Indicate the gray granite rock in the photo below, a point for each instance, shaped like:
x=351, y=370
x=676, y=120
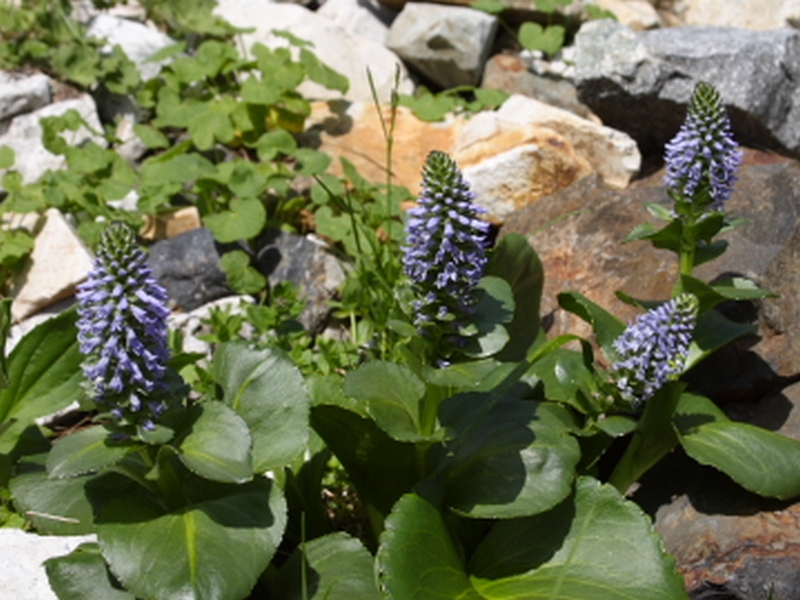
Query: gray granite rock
x=307, y=263
x=188, y=267
x=448, y=45
x=21, y=94
x=24, y=135
x=641, y=83
x=139, y=41
x=360, y=18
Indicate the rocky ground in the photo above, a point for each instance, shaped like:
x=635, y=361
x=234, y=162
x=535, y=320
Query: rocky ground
x=569, y=161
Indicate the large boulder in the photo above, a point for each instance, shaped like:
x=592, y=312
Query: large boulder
x=640, y=83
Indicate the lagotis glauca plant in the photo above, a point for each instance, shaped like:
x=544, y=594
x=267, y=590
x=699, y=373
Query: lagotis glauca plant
x=464, y=455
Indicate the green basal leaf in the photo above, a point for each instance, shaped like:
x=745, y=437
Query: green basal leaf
x=593, y=546
x=337, y=567
x=392, y=394
x=242, y=278
x=514, y=260
x=167, y=52
x=515, y=460
x=7, y=157
x=86, y=451
x=273, y=143
x=218, y=444
x=568, y=379
x=244, y=220
x=322, y=74
x=44, y=376
x=550, y=6
x=427, y=106
x=466, y=375
x=150, y=136
x=5, y=325
x=417, y=557
x=54, y=506
x=549, y=39
x=310, y=162
x=382, y=469
x=606, y=326
x=83, y=575
x=269, y=393
x=760, y=461
x=713, y=331
x=212, y=550
x=493, y=7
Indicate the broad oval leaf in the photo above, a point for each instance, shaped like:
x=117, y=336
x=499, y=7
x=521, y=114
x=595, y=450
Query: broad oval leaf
x=337, y=567
x=44, y=376
x=392, y=394
x=606, y=326
x=218, y=444
x=55, y=506
x=245, y=220
x=761, y=461
x=83, y=575
x=517, y=460
x=213, y=550
x=84, y=452
x=269, y=393
x=594, y=546
x=514, y=260
x=417, y=559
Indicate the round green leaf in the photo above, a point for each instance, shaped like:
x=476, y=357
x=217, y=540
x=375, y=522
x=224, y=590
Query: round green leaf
x=212, y=550
x=392, y=394
x=593, y=546
x=269, y=393
x=337, y=567
x=244, y=220
x=517, y=460
x=83, y=575
x=84, y=452
x=218, y=444
x=417, y=559
x=761, y=461
x=55, y=506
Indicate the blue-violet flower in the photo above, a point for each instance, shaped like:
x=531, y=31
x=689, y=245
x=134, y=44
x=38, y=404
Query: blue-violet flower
x=703, y=156
x=122, y=330
x=446, y=243
x=653, y=349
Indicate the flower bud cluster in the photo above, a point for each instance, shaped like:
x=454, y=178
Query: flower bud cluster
x=703, y=157
x=446, y=243
x=653, y=349
x=122, y=330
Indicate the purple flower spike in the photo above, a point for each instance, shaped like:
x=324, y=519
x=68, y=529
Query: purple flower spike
x=122, y=329
x=703, y=155
x=653, y=349
x=446, y=243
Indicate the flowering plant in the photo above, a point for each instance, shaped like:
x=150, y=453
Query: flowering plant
x=467, y=455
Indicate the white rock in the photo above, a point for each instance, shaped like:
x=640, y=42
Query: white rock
x=23, y=94
x=759, y=15
x=448, y=44
x=22, y=576
x=59, y=262
x=137, y=40
x=636, y=14
x=612, y=154
x=24, y=136
x=360, y=18
x=191, y=325
x=350, y=56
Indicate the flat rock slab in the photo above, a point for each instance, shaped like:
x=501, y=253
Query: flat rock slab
x=22, y=576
